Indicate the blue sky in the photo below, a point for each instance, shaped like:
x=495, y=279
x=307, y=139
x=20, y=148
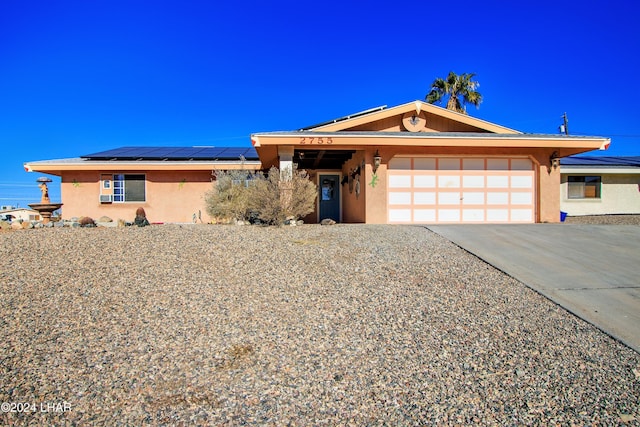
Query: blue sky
x=78, y=77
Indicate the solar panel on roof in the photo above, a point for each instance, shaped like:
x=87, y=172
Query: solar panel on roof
x=234, y=152
x=175, y=153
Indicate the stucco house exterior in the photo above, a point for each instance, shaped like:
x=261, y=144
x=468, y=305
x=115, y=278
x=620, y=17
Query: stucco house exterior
x=168, y=182
x=413, y=163
x=601, y=185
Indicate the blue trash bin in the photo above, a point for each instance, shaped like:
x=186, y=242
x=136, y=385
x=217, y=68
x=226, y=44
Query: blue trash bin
x=563, y=216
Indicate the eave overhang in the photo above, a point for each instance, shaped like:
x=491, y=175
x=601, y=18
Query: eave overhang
x=339, y=140
x=56, y=167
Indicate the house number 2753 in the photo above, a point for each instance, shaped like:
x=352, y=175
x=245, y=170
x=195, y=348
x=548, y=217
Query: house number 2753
x=308, y=140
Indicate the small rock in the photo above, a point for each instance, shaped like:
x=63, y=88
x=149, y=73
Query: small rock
x=86, y=221
x=627, y=418
x=105, y=218
x=327, y=221
x=141, y=218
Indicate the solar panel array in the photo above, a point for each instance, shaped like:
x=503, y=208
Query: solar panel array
x=175, y=153
x=629, y=161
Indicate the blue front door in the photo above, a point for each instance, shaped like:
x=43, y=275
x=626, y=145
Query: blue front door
x=329, y=197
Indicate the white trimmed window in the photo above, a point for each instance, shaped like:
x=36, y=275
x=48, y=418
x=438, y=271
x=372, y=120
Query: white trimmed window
x=584, y=187
x=129, y=188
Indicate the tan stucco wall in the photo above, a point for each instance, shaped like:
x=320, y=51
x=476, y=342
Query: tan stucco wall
x=619, y=194
x=353, y=205
x=171, y=196
x=548, y=188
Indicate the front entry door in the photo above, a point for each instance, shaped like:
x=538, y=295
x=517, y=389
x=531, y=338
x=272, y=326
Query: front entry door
x=329, y=197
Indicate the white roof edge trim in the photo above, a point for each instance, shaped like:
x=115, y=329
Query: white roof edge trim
x=137, y=162
x=436, y=136
x=592, y=170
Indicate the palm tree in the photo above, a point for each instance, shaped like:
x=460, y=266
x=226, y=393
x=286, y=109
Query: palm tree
x=460, y=89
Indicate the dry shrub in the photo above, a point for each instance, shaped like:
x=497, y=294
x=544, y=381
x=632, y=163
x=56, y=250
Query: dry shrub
x=229, y=197
x=241, y=195
x=276, y=198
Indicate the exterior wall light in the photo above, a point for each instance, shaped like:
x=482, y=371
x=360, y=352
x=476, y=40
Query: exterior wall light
x=554, y=161
x=376, y=161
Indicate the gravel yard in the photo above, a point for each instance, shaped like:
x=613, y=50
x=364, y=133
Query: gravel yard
x=311, y=325
x=604, y=219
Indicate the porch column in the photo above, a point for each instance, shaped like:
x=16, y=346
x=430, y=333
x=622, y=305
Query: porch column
x=285, y=153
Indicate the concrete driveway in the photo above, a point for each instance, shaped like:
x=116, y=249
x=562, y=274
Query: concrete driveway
x=591, y=270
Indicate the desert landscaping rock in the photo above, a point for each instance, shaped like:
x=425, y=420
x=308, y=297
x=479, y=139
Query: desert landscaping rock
x=310, y=325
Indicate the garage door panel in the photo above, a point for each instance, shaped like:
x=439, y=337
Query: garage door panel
x=497, y=215
x=473, y=181
x=473, y=215
x=473, y=164
x=522, y=181
x=400, y=181
x=520, y=164
x=497, y=164
x=448, y=198
x=521, y=215
x=424, y=198
x=449, y=164
x=472, y=198
x=424, y=181
x=498, y=181
x=400, y=163
x=424, y=215
x=424, y=163
x=449, y=181
x=399, y=215
x=461, y=190
x=400, y=198
x=498, y=198
x=521, y=198
x=448, y=215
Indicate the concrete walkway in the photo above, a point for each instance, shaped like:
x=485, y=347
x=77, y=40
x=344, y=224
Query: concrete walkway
x=591, y=270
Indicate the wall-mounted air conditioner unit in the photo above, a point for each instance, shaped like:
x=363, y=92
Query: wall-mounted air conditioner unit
x=106, y=198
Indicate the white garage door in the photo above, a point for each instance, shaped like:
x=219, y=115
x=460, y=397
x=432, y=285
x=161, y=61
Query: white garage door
x=460, y=190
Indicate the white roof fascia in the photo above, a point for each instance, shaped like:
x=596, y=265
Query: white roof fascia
x=592, y=170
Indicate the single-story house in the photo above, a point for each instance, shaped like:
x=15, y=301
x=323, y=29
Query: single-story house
x=600, y=185
x=23, y=214
x=413, y=163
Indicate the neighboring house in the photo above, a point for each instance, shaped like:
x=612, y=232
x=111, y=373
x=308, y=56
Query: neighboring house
x=23, y=214
x=414, y=163
x=600, y=185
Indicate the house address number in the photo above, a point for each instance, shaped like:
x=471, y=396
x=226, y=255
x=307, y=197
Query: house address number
x=308, y=140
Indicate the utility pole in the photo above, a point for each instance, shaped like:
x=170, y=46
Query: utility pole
x=564, y=128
